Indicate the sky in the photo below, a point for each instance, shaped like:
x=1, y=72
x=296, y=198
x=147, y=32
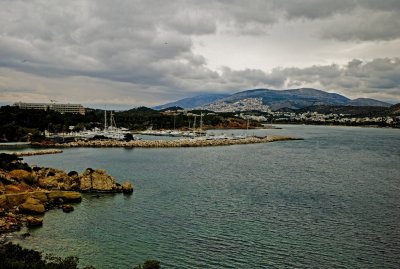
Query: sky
x=127, y=53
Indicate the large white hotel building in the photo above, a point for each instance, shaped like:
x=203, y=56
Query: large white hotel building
x=62, y=108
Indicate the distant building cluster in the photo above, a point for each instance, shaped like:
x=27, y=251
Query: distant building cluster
x=62, y=108
x=331, y=118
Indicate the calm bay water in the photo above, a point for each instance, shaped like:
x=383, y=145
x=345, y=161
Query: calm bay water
x=329, y=201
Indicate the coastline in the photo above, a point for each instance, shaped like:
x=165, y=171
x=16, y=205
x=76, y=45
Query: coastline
x=28, y=192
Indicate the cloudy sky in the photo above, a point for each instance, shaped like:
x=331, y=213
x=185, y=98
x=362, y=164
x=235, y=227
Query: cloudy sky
x=127, y=53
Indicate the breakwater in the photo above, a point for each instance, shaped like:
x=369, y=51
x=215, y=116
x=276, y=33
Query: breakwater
x=200, y=142
x=37, y=152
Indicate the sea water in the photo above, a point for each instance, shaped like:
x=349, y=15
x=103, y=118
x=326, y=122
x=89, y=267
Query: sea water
x=331, y=200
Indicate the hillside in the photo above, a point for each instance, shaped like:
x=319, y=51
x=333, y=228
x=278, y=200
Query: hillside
x=367, y=102
x=192, y=102
x=293, y=98
x=394, y=110
x=277, y=99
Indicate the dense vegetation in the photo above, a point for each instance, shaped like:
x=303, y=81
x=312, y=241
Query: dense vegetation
x=10, y=162
x=15, y=257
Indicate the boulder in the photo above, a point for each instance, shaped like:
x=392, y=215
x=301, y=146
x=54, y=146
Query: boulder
x=127, y=187
x=97, y=181
x=40, y=195
x=73, y=174
x=22, y=176
x=67, y=208
x=5, y=178
x=9, y=225
x=48, y=183
x=34, y=222
x=15, y=188
x=51, y=179
x=3, y=201
x=32, y=206
x=65, y=196
x=16, y=199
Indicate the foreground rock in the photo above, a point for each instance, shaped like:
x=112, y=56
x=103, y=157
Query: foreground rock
x=97, y=181
x=26, y=192
x=34, y=221
x=32, y=206
x=90, y=180
x=127, y=187
x=67, y=208
x=18, y=208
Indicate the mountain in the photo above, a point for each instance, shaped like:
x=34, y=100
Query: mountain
x=192, y=102
x=276, y=99
x=293, y=98
x=394, y=110
x=367, y=102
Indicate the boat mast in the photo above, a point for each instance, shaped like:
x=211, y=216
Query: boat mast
x=105, y=118
x=112, y=120
x=194, y=125
x=201, y=121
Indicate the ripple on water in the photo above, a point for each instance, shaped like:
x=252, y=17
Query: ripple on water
x=329, y=201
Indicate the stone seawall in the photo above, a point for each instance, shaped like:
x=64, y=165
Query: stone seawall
x=170, y=143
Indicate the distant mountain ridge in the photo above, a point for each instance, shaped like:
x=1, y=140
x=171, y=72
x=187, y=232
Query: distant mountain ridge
x=192, y=102
x=367, y=102
x=278, y=99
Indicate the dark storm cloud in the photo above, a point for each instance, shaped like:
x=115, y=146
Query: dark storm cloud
x=379, y=76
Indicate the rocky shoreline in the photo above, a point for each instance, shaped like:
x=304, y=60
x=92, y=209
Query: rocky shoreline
x=199, y=142
x=26, y=193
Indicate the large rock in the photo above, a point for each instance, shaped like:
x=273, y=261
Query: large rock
x=40, y=195
x=32, y=206
x=97, y=181
x=22, y=176
x=64, y=196
x=5, y=178
x=9, y=224
x=67, y=208
x=16, y=199
x=3, y=201
x=127, y=187
x=34, y=222
x=2, y=188
x=15, y=188
x=50, y=178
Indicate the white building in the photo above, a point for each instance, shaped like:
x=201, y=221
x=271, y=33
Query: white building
x=62, y=108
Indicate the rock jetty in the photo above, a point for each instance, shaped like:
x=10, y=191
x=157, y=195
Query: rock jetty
x=36, y=152
x=199, y=142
